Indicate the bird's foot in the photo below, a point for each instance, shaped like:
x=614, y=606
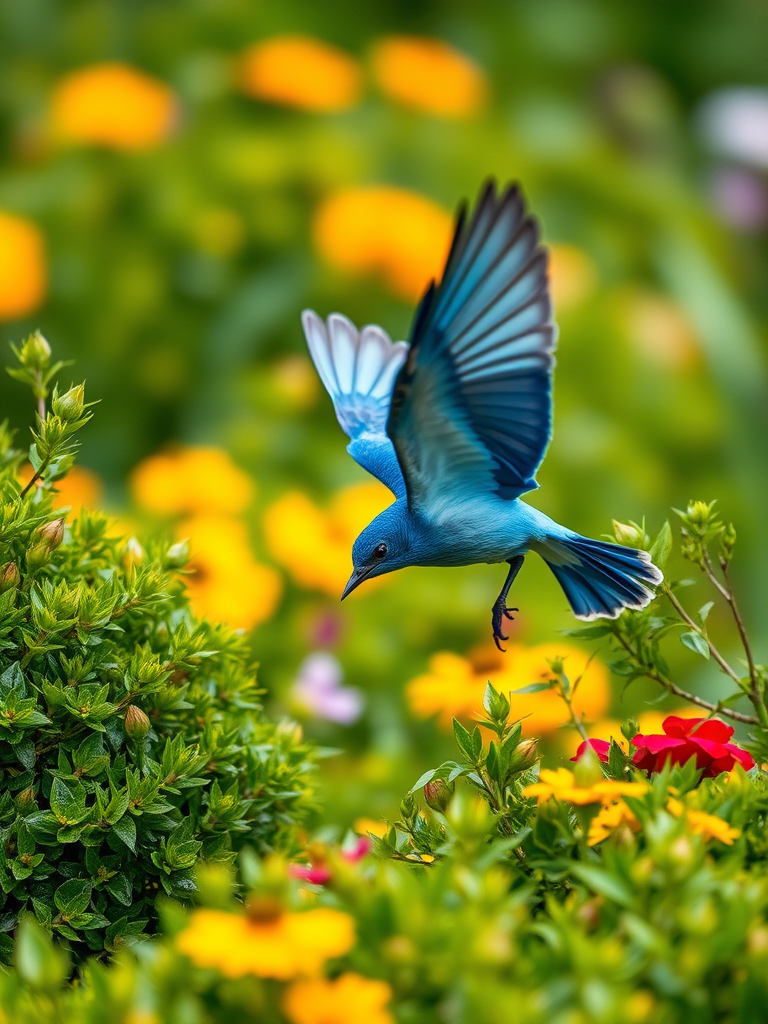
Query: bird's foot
x=499, y=613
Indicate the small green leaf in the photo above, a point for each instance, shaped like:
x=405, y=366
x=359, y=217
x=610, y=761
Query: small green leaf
x=535, y=687
x=73, y=896
x=662, y=546
x=695, y=642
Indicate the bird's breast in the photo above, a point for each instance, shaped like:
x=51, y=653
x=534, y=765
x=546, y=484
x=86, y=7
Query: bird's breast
x=481, y=530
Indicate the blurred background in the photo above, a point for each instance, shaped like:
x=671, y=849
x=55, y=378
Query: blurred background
x=180, y=178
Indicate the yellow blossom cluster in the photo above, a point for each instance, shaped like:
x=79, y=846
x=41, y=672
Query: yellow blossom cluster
x=453, y=686
x=112, y=105
x=399, y=235
x=203, y=486
x=271, y=942
x=610, y=818
x=23, y=266
x=313, y=544
x=561, y=785
x=420, y=72
x=701, y=824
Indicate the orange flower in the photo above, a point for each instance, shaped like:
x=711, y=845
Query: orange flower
x=659, y=329
x=112, y=105
x=315, y=545
x=301, y=72
x=454, y=686
x=399, y=235
x=190, y=480
x=80, y=488
x=226, y=584
x=281, y=945
x=573, y=276
x=23, y=267
x=348, y=999
x=428, y=75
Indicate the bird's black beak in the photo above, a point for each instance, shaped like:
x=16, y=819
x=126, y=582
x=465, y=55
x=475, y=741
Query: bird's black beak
x=356, y=579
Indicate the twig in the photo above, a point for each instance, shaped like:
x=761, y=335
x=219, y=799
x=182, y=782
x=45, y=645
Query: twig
x=726, y=668
x=653, y=673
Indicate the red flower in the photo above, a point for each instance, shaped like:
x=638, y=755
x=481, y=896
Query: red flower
x=362, y=846
x=600, y=747
x=706, y=739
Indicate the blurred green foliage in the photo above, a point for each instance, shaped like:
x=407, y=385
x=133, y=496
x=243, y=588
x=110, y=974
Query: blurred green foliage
x=661, y=383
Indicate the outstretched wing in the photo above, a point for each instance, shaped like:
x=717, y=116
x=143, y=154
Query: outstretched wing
x=358, y=369
x=471, y=410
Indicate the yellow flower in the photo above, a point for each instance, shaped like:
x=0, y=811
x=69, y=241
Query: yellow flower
x=573, y=276
x=348, y=999
x=454, y=686
x=659, y=329
x=561, y=785
x=301, y=72
x=182, y=481
x=429, y=75
x=701, y=824
x=226, y=584
x=314, y=545
x=23, y=267
x=364, y=826
x=608, y=819
x=112, y=105
x=398, y=235
x=282, y=945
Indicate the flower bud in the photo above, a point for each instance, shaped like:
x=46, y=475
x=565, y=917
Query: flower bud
x=630, y=728
x=45, y=540
x=136, y=723
x=69, y=406
x=9, y=577
x=35, y=352
x=525, y=756
x=629, y=534
x=438, y=794
x=25, y=799
x=133, y=554
x=727, y=543
x=52, y=533
x=177, y=555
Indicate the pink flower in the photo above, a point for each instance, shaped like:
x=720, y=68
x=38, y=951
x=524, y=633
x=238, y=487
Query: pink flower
x=600, y=747
x=319, y=691
x=317, y=874
x=706, y=739
x=355, y=853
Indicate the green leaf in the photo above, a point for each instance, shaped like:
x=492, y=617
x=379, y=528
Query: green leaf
x=470, y=744
x=535, y=687
x=662, y=546
x=588, y=632
x=73, y=896
x=705, y=610
x=125, y=829
x=695, y=642
x=604, y=884
x=38, y=962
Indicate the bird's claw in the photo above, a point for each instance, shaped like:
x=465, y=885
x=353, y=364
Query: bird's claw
x=500, y=612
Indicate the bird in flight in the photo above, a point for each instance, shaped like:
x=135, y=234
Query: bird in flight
x=456, y=422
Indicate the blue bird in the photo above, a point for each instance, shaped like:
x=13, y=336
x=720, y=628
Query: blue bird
x=457, y=422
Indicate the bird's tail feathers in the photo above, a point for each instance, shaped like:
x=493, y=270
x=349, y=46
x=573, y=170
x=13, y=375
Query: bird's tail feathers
x=600, y=579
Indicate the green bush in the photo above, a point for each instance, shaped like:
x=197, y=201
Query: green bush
x=132, y=746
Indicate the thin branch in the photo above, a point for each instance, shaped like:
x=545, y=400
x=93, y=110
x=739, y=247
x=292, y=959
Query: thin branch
x=740, y=626
x=653, y=673
x=717, y=656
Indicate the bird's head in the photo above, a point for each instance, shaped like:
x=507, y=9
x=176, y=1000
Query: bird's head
x=382, y=547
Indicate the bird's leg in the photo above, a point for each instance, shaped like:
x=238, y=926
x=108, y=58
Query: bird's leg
x=500, y=609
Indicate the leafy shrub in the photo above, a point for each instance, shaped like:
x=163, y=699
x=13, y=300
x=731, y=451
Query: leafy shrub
x=131, y=741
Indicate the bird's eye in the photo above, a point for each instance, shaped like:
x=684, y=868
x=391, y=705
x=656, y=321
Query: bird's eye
x=380, y=551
